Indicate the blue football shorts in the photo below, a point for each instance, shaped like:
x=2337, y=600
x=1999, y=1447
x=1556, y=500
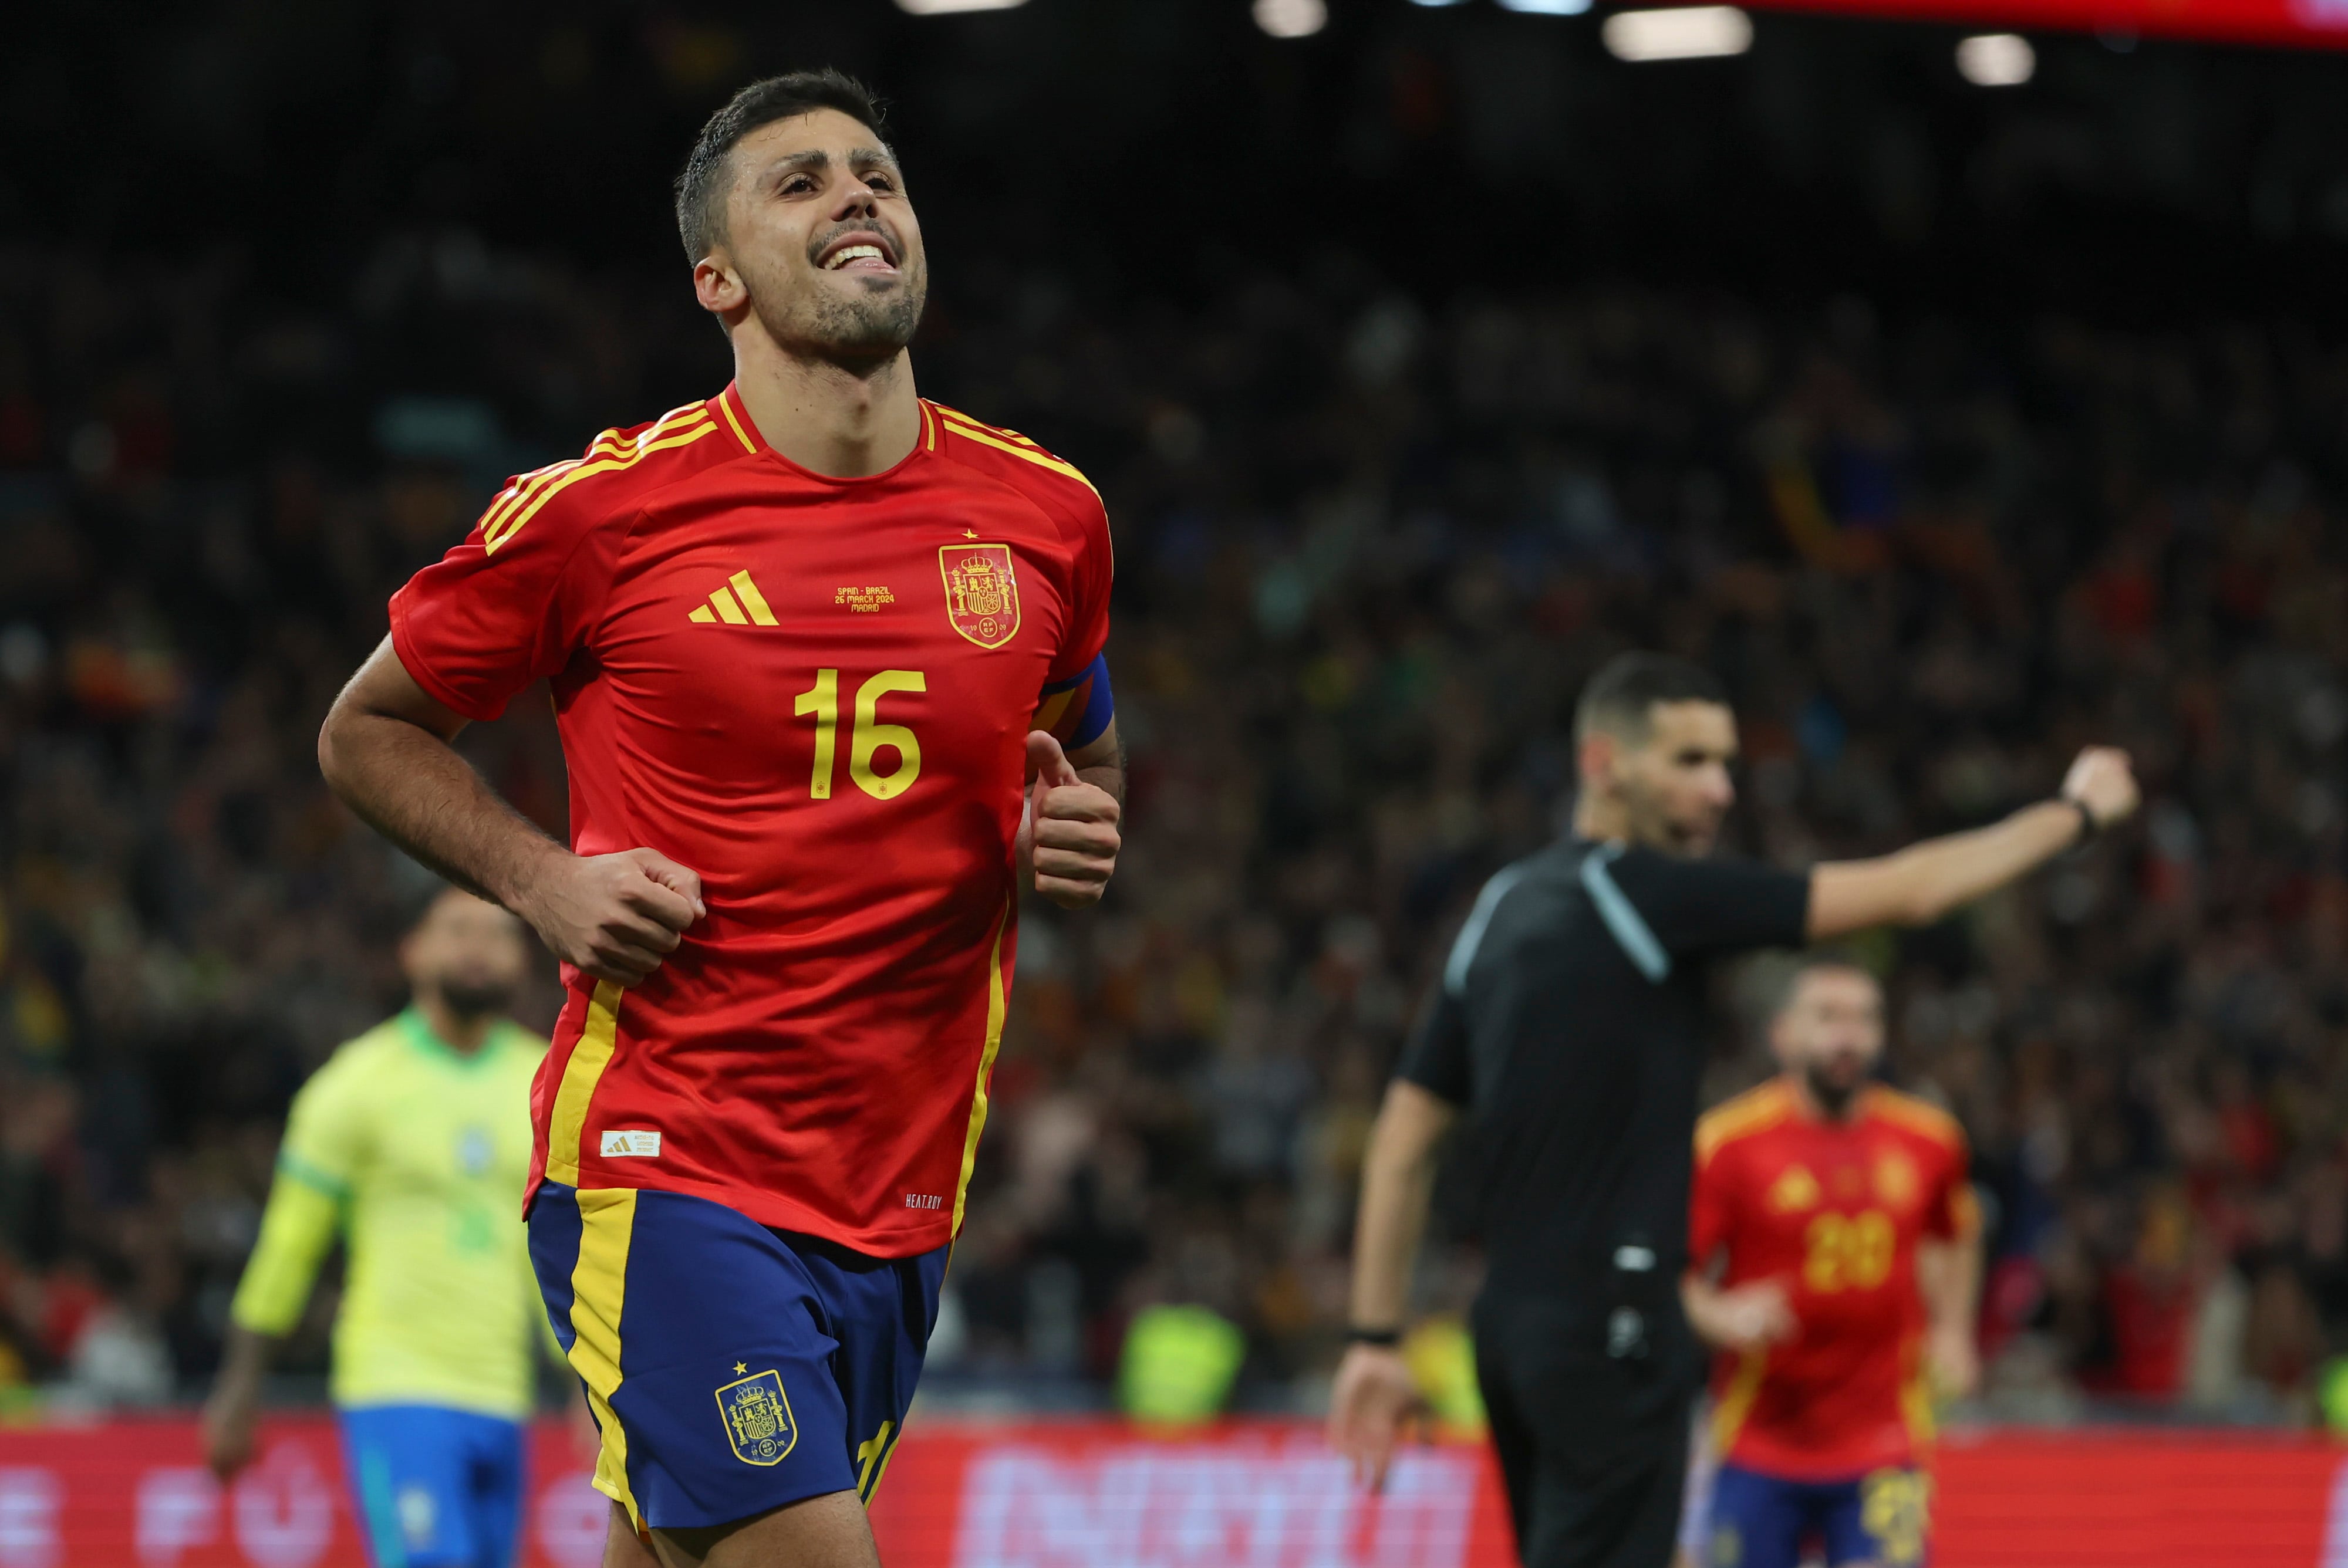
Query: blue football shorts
x=433, y=1488
x=732, y=1368
x=1882, y=1518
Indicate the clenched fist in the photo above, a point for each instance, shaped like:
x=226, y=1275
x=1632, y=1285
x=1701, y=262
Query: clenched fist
x=2102, y=779
x=615, y=917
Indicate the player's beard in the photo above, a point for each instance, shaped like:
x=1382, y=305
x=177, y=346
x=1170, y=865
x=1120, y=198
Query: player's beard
x=1833, y=1095
x=469, y=1000
x=862, y=333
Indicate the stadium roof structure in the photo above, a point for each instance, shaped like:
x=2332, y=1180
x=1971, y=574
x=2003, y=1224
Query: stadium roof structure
x=2301, y=24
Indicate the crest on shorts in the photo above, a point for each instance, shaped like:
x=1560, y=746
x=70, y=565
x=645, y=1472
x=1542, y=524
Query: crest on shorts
x=982, y=591
x=757, y=1418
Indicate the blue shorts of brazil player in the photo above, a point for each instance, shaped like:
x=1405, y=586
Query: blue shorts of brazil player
x=1762, y=1521
x=435, y=1488
x=733, y=1368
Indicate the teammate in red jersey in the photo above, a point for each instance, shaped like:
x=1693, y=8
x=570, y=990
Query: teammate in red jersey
x=1839, y=1215
x=806, y=637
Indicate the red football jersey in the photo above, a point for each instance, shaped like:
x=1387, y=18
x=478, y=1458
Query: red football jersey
x=1834, y=1210
x=816, y=693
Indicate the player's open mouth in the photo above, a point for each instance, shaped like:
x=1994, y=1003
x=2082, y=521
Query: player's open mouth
x=859, y=254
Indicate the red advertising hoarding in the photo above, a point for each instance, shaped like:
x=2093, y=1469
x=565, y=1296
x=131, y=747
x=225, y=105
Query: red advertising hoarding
x=2319, y=24
x=1098, y=1494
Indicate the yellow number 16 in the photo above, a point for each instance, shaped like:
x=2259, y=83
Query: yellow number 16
x=866, y=736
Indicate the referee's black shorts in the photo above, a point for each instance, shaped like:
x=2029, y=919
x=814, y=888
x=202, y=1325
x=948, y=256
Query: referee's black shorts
x=1594, y=1449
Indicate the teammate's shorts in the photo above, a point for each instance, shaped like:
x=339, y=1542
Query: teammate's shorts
x=733, y=1368
x=433, y=1488
x=1761, y=1522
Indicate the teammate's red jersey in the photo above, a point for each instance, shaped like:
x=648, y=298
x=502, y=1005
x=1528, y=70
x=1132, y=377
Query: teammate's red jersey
x=1833, y=1210
x=815, y=692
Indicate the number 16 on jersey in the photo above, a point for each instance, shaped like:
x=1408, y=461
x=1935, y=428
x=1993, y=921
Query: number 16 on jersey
x=867, y=734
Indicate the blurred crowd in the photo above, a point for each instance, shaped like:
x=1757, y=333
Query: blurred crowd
x=1369, y=547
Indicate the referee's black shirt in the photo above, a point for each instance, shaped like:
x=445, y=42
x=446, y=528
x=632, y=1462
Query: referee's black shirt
x=1570, y=1022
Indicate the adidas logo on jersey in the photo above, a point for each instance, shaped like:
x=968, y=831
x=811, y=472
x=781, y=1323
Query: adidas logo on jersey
x=738, y=603
x=631, y=1143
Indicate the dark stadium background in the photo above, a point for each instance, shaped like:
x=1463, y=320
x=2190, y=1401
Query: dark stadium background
x=1423, y=362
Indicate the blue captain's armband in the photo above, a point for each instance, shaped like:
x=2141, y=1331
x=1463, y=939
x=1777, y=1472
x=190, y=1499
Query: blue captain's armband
x=1077, y=712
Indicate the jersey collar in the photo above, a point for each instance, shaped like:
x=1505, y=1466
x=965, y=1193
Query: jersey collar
x=421, y=1036
x=735, y=415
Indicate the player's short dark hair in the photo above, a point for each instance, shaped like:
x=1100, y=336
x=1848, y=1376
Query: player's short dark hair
x=1810, y=961
x=702, y=184
x=1620, y=700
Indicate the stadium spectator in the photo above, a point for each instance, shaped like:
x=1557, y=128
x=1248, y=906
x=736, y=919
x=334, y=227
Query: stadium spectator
x=1370, y=546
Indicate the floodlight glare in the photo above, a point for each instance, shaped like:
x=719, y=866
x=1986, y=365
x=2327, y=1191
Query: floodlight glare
x=1291, y=18
x=1547, y=7
x=1996, y=60
x=1682, y=32
x=947, y=7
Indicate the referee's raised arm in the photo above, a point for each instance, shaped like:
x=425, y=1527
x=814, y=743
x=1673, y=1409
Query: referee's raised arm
x=1567, y=1034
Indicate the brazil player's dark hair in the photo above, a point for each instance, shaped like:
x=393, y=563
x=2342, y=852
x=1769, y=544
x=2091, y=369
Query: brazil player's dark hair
x=1620, y=700
x=701, y=185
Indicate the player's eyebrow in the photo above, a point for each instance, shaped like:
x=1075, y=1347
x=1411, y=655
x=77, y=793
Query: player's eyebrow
x=816, y=157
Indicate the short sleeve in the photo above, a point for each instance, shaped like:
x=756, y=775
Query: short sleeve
x=1708, y=1210
x=513, y=603
x=1435, y=1059
x=1954, y=1214
x=315, y=1166
x=1699, y=906
x=325, y=1131
x=1094, y=573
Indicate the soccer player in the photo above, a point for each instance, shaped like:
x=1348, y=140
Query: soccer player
x=412, y=1145
x=1848, y=1244
x=827, y=665
x=1569, y=1021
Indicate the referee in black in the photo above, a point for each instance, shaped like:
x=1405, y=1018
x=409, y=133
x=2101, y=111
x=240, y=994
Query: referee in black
x=1568, y=1028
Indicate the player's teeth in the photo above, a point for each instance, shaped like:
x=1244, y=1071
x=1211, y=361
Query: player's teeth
x=854, y=252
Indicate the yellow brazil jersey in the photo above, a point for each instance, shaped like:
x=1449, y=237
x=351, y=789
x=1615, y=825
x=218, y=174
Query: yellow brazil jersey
x=417, y=1155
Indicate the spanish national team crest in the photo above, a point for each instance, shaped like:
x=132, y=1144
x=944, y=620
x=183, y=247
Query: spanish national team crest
x=757, y=1418
x=982, y=592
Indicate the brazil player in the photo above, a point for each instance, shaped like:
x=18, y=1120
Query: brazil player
x=412, y=1145
x=807, y=637
x=1834, y=1260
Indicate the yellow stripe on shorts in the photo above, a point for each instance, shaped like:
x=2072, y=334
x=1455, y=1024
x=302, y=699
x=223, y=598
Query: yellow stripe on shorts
x=599, y=1288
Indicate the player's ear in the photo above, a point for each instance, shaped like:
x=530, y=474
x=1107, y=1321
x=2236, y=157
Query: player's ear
x=1595, y=756
x=716, y=285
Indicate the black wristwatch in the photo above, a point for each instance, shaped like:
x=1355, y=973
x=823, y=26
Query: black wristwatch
x=2088, y=826
x=1384, y=1338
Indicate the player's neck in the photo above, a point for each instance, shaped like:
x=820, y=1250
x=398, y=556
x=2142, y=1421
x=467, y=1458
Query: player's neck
x=1600, y=818
x=462, y=1035
x=825, y=416
x=1817, y=1110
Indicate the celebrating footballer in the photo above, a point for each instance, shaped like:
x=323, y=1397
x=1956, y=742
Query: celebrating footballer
x=827, y=659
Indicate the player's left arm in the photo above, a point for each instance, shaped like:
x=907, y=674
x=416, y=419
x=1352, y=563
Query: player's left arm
x=1949, y=1275
x=1069, y=837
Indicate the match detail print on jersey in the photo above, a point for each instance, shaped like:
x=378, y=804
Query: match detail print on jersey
x=982, y=592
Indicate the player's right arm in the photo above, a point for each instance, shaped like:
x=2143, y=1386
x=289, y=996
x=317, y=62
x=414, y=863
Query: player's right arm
x=515, y=602
x=385, y=749
x=1921, y=883
x=1375, y=1395
x=1747, y=1316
